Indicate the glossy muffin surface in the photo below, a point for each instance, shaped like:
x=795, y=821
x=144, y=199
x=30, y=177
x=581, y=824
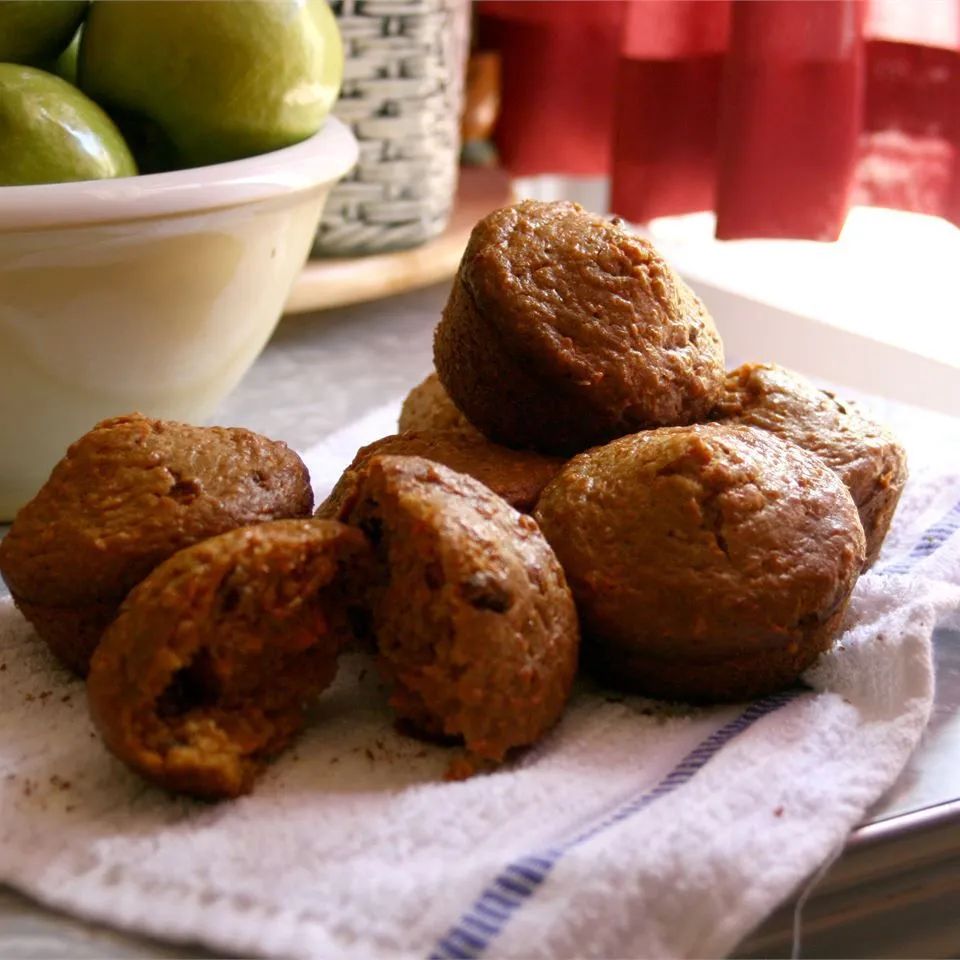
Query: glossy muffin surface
x=516, y=475
x=864, y=454
x=708, y=562
x=205, y=672
x=564, y=330
x=429, y=407
x=473, y=619
x=127, y=495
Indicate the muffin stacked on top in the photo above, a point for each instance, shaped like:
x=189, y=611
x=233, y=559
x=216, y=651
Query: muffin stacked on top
x=711, y=525
x=564, y=330
x=580, y=459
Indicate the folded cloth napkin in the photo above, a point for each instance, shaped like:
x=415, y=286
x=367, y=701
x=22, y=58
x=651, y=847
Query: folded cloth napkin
x=636, y=828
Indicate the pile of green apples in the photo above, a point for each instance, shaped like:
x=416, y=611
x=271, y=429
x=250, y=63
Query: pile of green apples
x=111, y=88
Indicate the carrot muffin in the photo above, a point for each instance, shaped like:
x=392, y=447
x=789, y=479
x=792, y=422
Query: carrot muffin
x=516, y=475
x=474, y=622
x=863, y=453
x=127, y=495
x=564, y=330
x=708, y=562
x=429, y=407
x=206, y=670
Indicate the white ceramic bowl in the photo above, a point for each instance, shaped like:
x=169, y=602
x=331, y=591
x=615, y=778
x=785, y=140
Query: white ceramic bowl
x=151, y=293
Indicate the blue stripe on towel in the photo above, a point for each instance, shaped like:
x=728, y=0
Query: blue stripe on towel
x=518, y=881
x=931, y=540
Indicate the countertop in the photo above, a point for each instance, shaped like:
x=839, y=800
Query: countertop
x=893, y=890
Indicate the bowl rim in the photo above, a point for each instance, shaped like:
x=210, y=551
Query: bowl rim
x=317, y=161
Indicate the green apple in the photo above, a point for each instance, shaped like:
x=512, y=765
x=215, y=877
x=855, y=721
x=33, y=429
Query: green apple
x=66, y=64
x=51, y=132
x=35, y=32
x=193, y=82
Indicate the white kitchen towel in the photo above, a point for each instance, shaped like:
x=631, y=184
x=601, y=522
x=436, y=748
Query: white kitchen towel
x=636, y=828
